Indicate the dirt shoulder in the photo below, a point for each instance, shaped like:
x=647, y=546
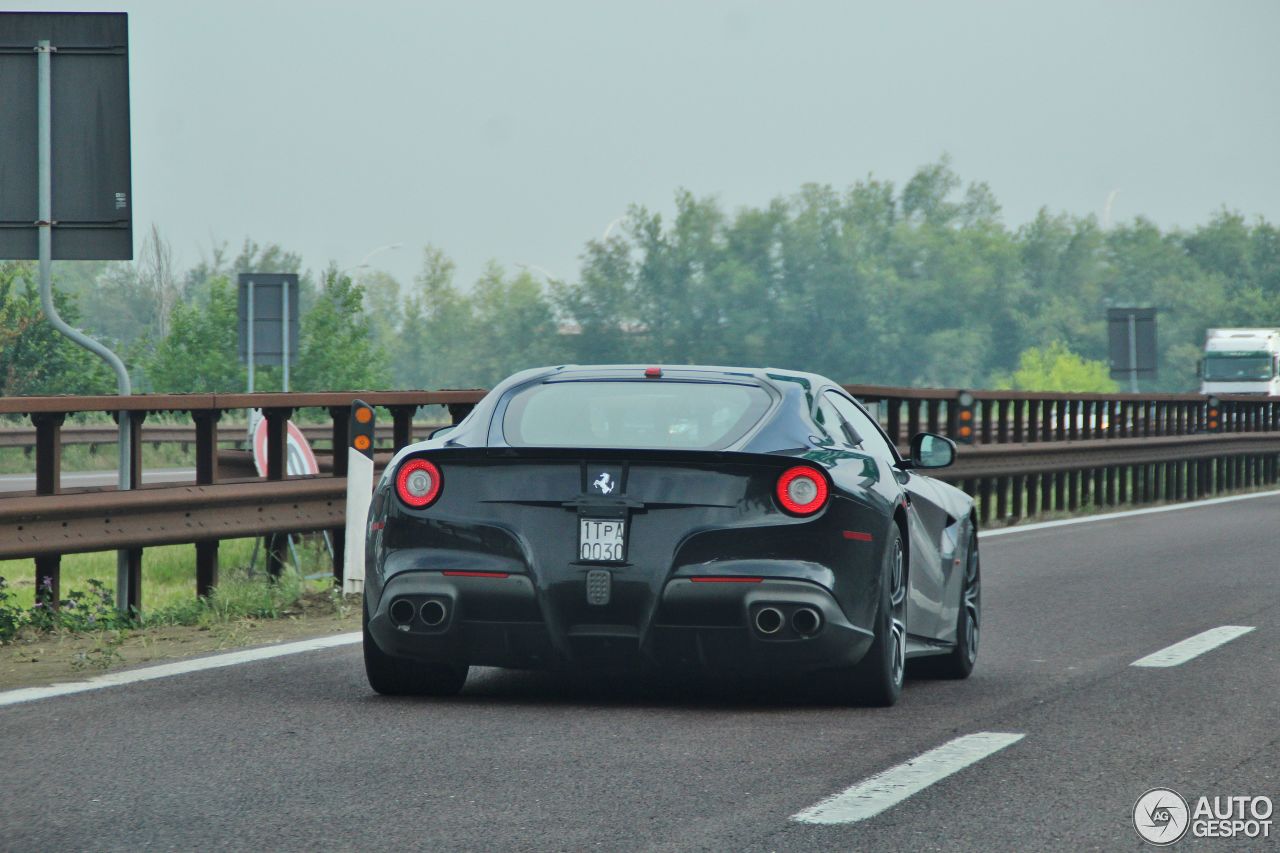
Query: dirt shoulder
x=38, y=659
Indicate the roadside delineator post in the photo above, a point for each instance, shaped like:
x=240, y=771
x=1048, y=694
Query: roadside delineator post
x=359, y=494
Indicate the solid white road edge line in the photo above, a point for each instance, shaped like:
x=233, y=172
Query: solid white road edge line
x=164, y=670
x=1108, y=516
x=1193, y=646
x=872, y=796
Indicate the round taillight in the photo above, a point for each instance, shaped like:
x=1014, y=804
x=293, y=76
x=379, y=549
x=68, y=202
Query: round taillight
x=802, y=490
x=418, y=483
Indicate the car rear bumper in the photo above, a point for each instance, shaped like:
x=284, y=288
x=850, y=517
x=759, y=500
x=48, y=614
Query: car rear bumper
x=498, y=621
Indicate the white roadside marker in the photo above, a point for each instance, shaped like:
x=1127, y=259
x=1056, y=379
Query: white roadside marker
x=872, y=796
x=164, y=670
x=1193, y=646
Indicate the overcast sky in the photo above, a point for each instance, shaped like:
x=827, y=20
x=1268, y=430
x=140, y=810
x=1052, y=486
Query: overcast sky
x=516, y=131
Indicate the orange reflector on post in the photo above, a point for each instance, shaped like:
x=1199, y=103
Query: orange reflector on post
x=360, y=428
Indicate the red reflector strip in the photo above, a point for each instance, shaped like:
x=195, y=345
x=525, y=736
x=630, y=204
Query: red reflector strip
x=377, y=525
x=653, y=373
x=461, y=574
x=726, y=579
x=856, y=536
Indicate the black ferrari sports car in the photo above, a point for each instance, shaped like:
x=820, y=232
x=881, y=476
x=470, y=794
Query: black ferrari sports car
x=732, y=521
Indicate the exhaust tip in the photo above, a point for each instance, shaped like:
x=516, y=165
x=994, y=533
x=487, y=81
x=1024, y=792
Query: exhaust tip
x=401, y=611
x=769, y=620
x=806, y=621
x=433, y=613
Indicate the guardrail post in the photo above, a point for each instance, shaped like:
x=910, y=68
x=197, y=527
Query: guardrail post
x=913, y=418
x=893, y=419
x=206, y=421
x=133, y=598
x=341, y=439
x=402, y=425
x=277, y=469
x=129, y=576
x=933, y=409
x=458, y=411
x=49, y=482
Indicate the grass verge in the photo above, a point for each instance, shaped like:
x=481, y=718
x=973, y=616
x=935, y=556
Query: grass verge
x=86, y=635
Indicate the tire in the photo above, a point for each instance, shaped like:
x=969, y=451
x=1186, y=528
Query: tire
x=877, y=679
x=393, y=676
x=959, y=662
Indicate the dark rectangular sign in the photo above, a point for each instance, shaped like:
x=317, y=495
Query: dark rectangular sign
x=1144, y=344
x=268, y=310
x=89, y=82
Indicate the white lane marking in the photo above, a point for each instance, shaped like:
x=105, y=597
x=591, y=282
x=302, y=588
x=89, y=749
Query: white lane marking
x=872, y=796
x=164, y=670
x=1193, y=646
x=1108, y=516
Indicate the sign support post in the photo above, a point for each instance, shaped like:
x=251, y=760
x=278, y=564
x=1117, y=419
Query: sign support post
x=44, y=225
x=1133, y=353
x=284, y=338
x=249, y=341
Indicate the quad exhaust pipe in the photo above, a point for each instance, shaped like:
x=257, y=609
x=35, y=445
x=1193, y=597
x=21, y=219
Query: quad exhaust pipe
x=806, y=621
x=769, y=620
x=401, y=612
x=433, y=613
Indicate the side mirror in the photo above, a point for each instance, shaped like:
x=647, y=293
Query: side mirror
x=932, y=451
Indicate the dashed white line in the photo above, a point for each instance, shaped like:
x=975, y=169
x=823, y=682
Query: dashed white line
x=1193, y=646
x=872, y=796
x=1109, y=516
x=164, y=670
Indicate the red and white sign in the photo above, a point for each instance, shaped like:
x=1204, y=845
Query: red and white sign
x=301, y=460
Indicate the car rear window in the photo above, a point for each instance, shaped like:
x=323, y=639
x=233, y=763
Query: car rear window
x=641, y=413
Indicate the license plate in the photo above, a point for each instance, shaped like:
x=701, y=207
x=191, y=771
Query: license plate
x=602, y=540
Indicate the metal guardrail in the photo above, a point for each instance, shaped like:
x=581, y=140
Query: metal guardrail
x=236, y=436
x=1036, y=453
x=49, y=413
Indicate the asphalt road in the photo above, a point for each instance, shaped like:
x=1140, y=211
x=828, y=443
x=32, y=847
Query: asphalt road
x=297, y=754
x=86, y=479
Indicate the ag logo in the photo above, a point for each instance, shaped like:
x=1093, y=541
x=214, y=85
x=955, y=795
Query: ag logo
x=604, y=483
x=1161, y=816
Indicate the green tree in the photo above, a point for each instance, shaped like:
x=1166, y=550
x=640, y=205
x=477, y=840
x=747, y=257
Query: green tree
x=336, y=349
x=515, y=326
x=1057, y=368
x=35, y=358
x=440, y=337
x=200, y=353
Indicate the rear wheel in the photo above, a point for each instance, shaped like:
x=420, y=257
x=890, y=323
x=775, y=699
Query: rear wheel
x=877, y=678
x=393, y=676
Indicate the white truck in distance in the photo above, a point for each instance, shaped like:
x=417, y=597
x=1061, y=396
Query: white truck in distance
x=1241, y=361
